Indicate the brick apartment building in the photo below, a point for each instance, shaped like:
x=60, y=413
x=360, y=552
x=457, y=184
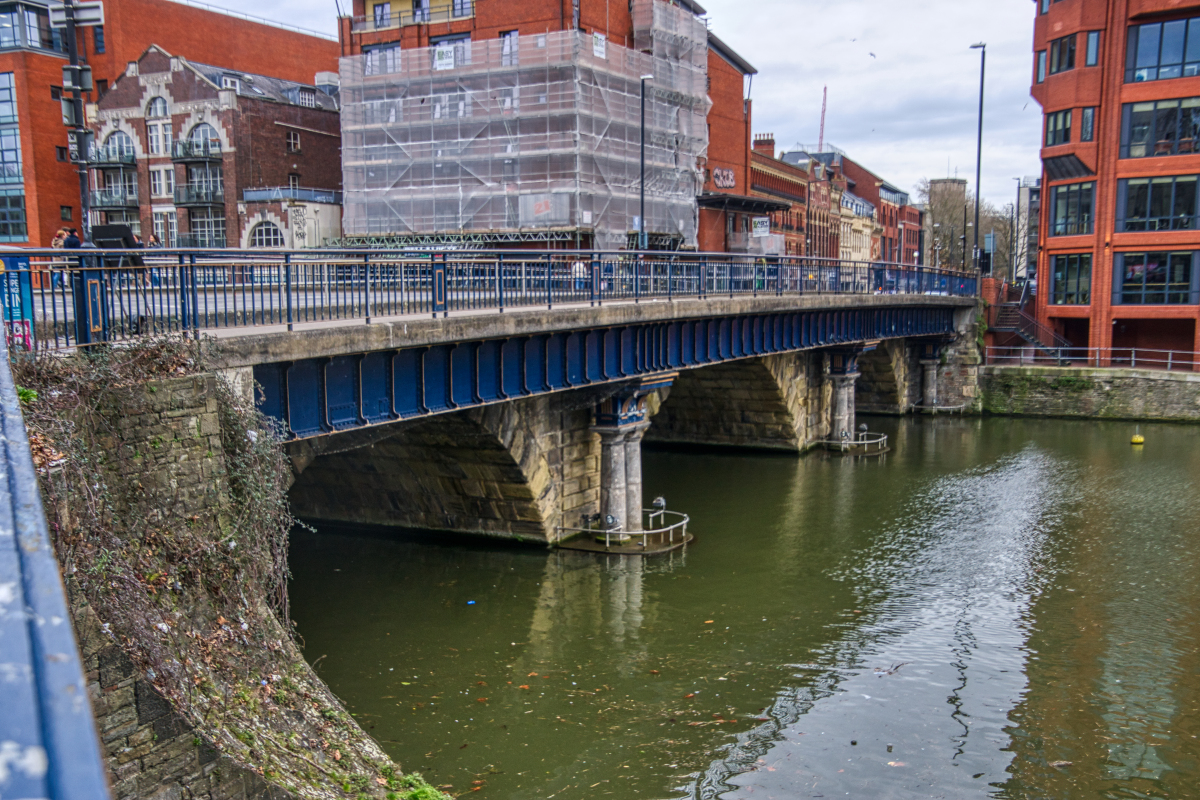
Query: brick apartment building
x=775, y=179
x=40, y=185
x=1119, y=257
x=501, y=153
x=208, y=157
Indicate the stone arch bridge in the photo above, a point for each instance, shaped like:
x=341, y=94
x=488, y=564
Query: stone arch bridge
x=521, y=424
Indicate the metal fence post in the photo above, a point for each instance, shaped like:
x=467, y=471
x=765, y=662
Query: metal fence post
x=595, y=278
x=637, y=278
x=195, y=297
x=287, y=278
x=367, y=287
x=549, y=282
x=500, y=282
x=703, y=291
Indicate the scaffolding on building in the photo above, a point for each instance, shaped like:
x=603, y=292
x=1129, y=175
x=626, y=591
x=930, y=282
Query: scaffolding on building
x=535, y=137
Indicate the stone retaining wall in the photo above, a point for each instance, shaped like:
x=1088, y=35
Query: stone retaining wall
x=1092, y=393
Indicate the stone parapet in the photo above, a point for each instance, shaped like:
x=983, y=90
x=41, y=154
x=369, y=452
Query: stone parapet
x=1090, y=392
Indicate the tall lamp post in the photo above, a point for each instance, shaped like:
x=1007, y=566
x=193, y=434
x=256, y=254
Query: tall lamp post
x=982, y=48
x=642, y=244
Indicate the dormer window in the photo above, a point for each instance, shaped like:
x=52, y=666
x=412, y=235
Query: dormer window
x=307, y=98
x=229, y=82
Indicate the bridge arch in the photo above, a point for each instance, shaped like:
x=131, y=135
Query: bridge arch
x=778, y=402
x=888, y=376
x=518, y=470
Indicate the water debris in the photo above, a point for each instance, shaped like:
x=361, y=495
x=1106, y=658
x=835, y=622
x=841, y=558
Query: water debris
x=1061, y=764
x=892, y=670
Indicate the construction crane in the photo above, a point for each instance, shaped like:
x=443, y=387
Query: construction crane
x=824, y=102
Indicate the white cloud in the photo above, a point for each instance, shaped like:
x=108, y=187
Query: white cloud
x=906, y=113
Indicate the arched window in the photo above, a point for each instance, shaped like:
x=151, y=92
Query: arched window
x=204, y=133
x=119, y=143
x=156, y=108
x=266, y=234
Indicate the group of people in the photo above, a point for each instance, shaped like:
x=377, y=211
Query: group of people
x=68, y=239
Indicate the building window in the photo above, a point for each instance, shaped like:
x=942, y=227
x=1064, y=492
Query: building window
x=1041, y=66
x=1162, y=128
x=12, y=215
x=307, y=98
x=158, y=134
x=382, y=60
x=293, y=181
x=1162, y=50
x=101, y=88
x=119, y=144
x=266, y=234
x=420, y=10
x=56, y=93
x=453, y=50
x=1071, y=279
x=230, y=82
x=1155, y=278
x=62, y=153
x=462, y=8
x=1071, y=209
x=1092, y=58
x=1157, y=204
x=65, y=213
x=1087, y=125
x=1058, y=128
x=1043, y=6
x=1062, y=54
x=207, y=228
x=162, y=182
x=383, y=14
x=510, y=43
x=293, y=141
x=166, y=227
x=98, y=39
x=10, y=155
x=157, y=108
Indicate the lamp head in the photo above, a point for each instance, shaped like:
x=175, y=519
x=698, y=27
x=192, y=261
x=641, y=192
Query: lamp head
x=647, y=77
x=979, y=46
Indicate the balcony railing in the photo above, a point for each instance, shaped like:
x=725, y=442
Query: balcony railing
x=114, y=198
x=110, y=157
x=199, y=195
x=277, y=193
x=458, y=9
x=196, y=150
x=202, y=241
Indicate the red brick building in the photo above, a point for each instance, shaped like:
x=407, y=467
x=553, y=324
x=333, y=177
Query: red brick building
x=209, y=157
x=775, y=179
x=40, y=190
x=1119, y=262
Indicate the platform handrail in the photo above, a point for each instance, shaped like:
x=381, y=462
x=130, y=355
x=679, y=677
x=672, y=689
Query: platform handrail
x=1096, y=357
x=676, y=531
x=46, y=723
x=129, y=293
x=865, y=440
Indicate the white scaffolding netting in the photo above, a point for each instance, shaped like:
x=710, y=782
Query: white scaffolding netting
x=529, y=134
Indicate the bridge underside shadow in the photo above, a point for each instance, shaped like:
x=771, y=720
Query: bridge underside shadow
x=781, y=403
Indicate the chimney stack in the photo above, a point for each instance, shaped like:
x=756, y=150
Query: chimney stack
x=765, y=143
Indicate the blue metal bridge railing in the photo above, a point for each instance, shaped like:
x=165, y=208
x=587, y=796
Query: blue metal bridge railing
x=57, y=299
x=48, y=742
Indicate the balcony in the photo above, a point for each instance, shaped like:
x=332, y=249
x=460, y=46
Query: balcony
x=122, y=198
x=200, y=241
x=196, y=150
x=110, y=158
x=443, y=12
x=280, y=193
x=201, y=194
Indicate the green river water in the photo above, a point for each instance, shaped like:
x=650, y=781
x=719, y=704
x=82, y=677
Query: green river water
x=998, y=608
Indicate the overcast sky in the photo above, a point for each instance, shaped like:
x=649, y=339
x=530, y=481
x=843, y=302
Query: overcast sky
x=903, y=85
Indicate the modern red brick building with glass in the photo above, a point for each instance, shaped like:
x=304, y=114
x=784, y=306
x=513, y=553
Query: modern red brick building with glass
x=1119, y=85
x=39, y=186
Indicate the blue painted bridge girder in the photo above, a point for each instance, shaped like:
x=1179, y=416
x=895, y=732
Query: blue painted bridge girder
x=319, y=396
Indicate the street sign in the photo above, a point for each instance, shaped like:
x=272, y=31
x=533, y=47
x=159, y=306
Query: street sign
x=989, y=243
x=90, y=12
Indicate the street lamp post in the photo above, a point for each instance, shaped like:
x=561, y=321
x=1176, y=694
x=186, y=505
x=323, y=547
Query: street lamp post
x=642, y=244
x=982, y=48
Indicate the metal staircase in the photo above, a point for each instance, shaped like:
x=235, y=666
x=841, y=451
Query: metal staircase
x=1011, y=318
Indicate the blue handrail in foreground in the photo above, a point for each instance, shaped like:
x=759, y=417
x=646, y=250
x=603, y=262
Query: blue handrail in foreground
x=48, y=740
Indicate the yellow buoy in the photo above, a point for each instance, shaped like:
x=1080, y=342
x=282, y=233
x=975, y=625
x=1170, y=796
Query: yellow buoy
x=1138, y=438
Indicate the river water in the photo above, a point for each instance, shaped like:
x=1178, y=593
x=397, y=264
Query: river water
x=998, y=608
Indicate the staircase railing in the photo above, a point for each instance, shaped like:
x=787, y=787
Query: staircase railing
x=1010, y=318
